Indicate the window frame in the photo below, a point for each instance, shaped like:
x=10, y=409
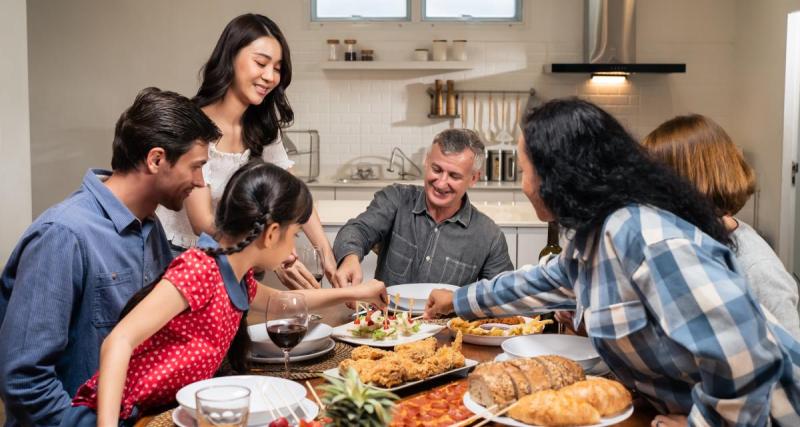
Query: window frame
x=317, y=19
x=517, y=18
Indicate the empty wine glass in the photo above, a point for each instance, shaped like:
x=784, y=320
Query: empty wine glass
x=311, y=257
x=287, y=322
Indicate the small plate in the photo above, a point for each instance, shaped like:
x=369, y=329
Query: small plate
x=342, y=333
x=183, y=418
x=599, y=369
x=293, y=358
x=477, y=408
x=315, y=339
x=577, y=348
x=468, y=364
x=258, y=385
x=418, y=291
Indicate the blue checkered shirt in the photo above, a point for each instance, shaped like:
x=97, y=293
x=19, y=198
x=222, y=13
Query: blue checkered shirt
x=669, y=311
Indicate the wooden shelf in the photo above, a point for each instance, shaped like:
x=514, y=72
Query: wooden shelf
x=444, y=116
x=397, y=65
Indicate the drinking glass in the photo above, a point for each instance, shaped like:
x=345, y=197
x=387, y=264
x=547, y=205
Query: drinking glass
x=219, y=406
x=287, y=322
x=311, y=257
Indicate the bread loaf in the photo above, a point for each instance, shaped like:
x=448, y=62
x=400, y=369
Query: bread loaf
x=500, y=383
x=608, y=397
x=553, y=408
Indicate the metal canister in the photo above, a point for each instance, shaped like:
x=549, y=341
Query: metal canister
x=509, y=157
x=494, y=168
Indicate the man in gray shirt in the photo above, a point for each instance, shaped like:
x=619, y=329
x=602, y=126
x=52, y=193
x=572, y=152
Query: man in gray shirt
x=428, y=234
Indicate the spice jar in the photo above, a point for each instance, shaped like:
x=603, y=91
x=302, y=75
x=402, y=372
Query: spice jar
x=350, y=50
x=421, y=55
x=440, y=50
x=367, y=55
x=460, y=50
x=333, y=49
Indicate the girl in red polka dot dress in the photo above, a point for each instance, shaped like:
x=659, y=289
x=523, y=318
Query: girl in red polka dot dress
x=178, y=330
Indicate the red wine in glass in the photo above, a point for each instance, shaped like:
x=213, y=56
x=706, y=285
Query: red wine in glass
x=286, y=336
x=287, y=322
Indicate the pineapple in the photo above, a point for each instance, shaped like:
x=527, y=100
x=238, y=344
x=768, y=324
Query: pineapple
x=349, y=402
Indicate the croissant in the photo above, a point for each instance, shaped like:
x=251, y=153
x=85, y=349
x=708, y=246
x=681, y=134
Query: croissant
x=553, y=408
x=608, y=397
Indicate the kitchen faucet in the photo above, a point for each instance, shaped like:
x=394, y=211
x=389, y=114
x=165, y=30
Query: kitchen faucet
x=402, y=172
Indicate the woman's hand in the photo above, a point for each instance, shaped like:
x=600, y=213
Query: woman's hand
x=669, y=421
x=295, y=276
x=440, y=303
x=329, y=267
x=373, y=292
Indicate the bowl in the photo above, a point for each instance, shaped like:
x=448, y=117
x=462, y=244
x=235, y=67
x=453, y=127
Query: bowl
x=573, y=347
x=418, y=291
x=315, y=340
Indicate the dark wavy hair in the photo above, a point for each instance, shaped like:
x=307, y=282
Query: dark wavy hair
x=257, y=195
x=261, y=123
x=590, y=166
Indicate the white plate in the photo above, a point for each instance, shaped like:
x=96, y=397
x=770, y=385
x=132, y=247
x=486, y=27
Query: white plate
x=291, y=391
x=297, y=358
x=599, y=369
x=418, y=291
x=342, y=333
x=579, y=349
x=315, y=340
x=486, y=339
x=183, y=418
x=468, y=364
x=477, y=408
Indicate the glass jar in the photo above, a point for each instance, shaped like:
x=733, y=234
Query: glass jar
x=460, y=50
x=367, y=54
x=333, y=50
x=350, y=50
x=440, y=50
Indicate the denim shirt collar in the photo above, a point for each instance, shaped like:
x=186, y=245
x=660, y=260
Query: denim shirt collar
x=117, y=212
x=237, y=290
x=462, y=216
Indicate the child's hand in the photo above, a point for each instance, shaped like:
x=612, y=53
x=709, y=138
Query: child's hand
x=440, y=303
x=671, y=420
x=373, y=292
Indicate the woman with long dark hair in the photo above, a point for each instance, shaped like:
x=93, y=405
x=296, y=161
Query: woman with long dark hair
x=647, y=267
x=177, y=331
x=243, y=91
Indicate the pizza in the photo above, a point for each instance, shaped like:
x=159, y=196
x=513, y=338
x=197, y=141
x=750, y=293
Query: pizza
x=439, y=407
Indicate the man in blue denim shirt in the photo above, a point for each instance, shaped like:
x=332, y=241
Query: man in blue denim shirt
x=77, y=265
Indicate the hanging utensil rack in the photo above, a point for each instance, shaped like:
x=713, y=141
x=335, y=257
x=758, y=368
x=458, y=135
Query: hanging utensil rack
x=530, y=92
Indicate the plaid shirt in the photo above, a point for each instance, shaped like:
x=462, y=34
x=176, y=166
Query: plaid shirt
x=668, y=310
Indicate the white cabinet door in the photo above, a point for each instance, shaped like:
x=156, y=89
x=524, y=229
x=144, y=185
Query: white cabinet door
x=511, y=241
x=350, y=193
x=530, y=241
x=323, y=193
x=477, y=197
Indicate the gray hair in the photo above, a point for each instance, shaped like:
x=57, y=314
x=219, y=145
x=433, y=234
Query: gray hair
x=458, y=140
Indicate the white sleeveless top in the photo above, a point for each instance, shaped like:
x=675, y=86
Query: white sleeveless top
x=216, y=173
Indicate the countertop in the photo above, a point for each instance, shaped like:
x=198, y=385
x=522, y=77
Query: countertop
x=505, y=214
x=380, y=183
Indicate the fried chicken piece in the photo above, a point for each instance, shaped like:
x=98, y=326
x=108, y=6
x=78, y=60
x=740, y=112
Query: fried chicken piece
x=386, y=372
x=369, y=353
x=418, y=350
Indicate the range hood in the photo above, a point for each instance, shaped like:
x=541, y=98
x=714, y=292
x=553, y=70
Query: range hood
x=610, y=42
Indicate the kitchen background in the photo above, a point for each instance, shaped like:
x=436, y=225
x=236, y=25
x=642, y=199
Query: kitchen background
x=84, y=61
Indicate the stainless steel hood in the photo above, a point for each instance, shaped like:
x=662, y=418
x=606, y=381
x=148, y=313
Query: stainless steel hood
x=610, y=42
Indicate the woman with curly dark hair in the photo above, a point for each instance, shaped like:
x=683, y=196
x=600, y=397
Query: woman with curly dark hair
x=648, y=267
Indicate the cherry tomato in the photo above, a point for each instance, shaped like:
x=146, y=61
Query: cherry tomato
x=280, y=422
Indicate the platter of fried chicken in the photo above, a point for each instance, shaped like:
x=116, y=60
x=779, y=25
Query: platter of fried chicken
x=407, y=365
x=546, y=390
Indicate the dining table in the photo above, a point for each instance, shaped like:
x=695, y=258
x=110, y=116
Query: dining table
x=642, y=415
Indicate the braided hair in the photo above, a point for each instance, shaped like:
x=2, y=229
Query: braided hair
x=258, y=194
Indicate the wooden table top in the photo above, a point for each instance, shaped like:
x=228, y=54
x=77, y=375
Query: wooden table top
x=642, y=414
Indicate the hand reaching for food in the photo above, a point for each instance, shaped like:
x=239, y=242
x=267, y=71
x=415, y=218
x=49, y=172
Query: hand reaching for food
x=440, y=303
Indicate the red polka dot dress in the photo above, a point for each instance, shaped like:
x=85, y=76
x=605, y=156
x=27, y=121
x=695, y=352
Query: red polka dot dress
x=190, y=347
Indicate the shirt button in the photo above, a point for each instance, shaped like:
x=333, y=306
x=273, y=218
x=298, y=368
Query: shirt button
x=435, y=230
x=427, y=258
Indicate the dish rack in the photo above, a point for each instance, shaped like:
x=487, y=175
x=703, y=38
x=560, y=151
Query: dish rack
x=302, y=146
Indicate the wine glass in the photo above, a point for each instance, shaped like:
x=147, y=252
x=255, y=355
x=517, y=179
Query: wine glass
x=311, y=257
x=287, y=322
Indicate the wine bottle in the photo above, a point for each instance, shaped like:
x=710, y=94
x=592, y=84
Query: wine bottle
x=552, y=246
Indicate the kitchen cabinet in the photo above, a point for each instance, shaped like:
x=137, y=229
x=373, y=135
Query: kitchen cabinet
x=530, y=241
